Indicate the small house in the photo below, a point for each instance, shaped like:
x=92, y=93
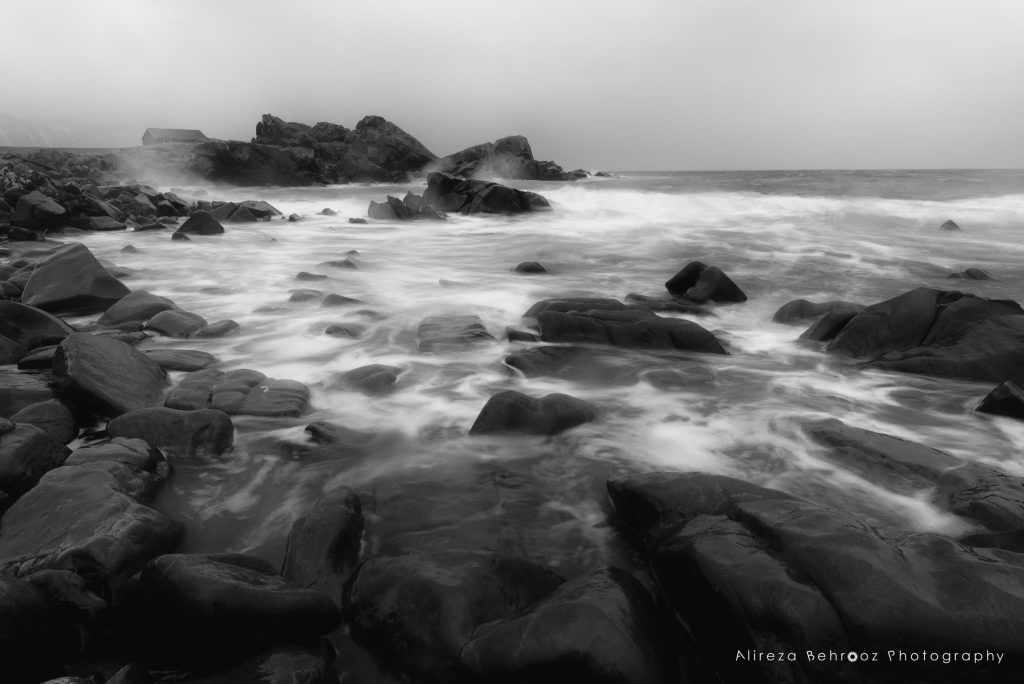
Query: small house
x=154, y=136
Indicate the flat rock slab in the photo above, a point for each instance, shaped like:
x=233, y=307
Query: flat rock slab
x=239, y=392
x=85, y=518
x=190, y=433
x=451, y=331
x=515, y=412
x=107, y=376
x=189, y=608
x=181, y=359
x=72, y=281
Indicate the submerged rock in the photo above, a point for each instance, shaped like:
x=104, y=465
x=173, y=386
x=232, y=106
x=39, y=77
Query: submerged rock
x=371, y=379
x=239, y=392
x=626, y=328
x=949, y=225
x=801, y=310
x=451, y=331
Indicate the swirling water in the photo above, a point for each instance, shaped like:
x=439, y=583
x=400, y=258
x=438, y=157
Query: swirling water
x=857, y=236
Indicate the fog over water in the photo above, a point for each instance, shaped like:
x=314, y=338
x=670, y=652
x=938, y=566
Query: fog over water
x=652, y=84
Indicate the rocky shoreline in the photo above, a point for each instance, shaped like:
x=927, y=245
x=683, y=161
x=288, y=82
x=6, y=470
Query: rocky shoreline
x=94, y=586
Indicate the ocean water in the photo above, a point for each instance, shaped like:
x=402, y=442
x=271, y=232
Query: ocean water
x=860, y=236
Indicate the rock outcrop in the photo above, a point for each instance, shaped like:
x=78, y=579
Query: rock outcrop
x=510, y=157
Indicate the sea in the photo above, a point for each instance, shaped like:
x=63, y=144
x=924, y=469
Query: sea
x=860, y=236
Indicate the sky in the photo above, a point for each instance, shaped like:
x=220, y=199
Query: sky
x=623, y=85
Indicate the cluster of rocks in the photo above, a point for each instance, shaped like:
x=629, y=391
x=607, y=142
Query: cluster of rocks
x=446, y=194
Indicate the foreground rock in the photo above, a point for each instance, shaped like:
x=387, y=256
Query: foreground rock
x=107, y=376
x=515, y=412
x=749, y=568
x=90, y=516
x=509, y=157
x=72, y=281
x=934, y=332
x=196, y=609
x=27, y=628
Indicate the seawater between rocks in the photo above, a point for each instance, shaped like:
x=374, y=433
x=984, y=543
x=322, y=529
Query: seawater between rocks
x=856, y=236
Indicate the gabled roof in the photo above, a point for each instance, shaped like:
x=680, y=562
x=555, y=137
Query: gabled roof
x=175, y=133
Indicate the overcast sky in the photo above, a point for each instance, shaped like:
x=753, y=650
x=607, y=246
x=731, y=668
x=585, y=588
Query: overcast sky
x=629, y=84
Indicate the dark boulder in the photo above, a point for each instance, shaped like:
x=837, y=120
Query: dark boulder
x=217, y=329
x=448, y=332
x=24, y=328
x=702, y=283
x=201, y=223
x=194, y=609
x=949, y=225
x=104, y=223
x=449, y=193
x=1007, y=399
x=176, y=323
x=52, y=416
x=530, y=267
x=72, y=281
x=626, y=328
x=801, y=310
x=949, y=334
x=323, y=545
x=89, y=518
x=138, y=305
x=416, y=613
x=27, y=453
x=189, y=433
x=38, y=211
x=107, y=376
x=601, y=627
x=512, y=411
x=509, y=157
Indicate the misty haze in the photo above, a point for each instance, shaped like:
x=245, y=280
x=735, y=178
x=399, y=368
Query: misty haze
x=563, y=342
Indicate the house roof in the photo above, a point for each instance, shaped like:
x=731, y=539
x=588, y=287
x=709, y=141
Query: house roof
x=175, y=133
